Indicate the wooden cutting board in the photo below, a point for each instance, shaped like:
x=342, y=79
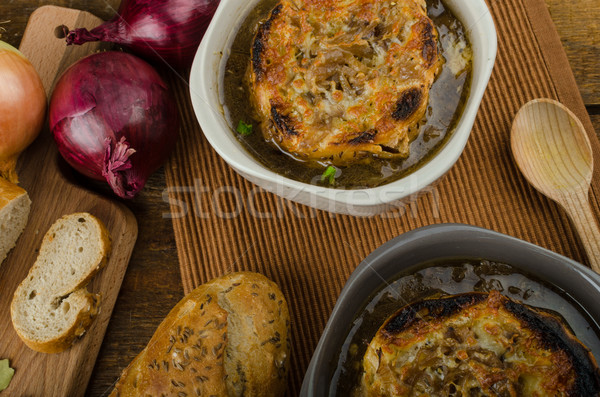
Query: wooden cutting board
x=53, y=192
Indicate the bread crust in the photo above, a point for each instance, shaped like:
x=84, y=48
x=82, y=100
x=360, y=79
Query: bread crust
x=185, y=354
x=70, y=335
x=198, y=348
x=258, y=325
x=9, y=192
x=14, y=214
x=76, y=294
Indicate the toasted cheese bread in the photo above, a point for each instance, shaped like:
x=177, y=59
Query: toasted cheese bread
x=339, y=80
x=477, y=344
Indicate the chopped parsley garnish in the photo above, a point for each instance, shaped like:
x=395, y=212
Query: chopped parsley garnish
x=329, y=174
x=243, y=128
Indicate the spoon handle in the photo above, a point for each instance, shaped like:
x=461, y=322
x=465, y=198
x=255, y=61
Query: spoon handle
x=580, y=212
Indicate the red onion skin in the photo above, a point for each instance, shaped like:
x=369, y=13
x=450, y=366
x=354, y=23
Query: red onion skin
x=109, y=102
x=161, y=30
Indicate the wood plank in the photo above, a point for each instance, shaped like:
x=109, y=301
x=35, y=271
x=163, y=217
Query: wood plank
x=151, y=288
x=578, y=25
x=152, y=284
x=50, y=185
x=14, y=14
x=596, y=123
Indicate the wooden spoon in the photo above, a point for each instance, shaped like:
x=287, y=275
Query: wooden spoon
x=551, y=148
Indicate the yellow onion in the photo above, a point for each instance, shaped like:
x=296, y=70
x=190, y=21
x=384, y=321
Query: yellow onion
x=22, y=107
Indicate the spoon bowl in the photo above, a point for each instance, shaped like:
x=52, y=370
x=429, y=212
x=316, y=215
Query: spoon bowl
x=552, y=150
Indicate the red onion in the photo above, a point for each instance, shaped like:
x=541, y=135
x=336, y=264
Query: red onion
x=168, y=30
x=114, y=119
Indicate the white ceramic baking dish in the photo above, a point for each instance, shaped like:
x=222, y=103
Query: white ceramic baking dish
x=207, y=76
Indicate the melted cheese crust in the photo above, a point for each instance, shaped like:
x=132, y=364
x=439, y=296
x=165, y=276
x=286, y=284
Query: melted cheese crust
x=338, y=80
x=482, y=350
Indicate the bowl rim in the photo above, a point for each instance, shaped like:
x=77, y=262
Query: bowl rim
x=211, y=119
x=463, y=237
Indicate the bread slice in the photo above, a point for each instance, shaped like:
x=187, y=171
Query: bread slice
x=52, y=307
x=14, y=212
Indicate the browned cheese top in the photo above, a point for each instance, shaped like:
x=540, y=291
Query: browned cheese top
x=477, y=345
x=339, y=80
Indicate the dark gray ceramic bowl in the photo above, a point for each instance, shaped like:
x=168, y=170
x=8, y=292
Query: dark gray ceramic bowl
x=441, y=242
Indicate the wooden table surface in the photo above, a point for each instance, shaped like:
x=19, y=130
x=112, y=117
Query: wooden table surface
x=152, y=284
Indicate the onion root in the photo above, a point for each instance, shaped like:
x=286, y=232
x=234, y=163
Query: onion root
x=116, y=161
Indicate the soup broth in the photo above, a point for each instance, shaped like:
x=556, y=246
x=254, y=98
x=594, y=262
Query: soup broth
x=447, y=98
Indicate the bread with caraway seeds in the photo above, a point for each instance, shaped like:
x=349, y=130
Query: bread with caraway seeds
x=52, y=307
x=228, y=337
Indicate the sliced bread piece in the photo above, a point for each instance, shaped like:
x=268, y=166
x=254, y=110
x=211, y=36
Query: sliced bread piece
x=52, y=307
x=14, y=212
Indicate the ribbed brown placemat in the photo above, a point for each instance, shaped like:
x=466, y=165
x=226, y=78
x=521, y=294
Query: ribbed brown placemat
x=224, y=223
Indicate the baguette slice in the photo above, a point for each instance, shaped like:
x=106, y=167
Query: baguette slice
x=228, y=337
x=14, y=212
x=52, y=307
